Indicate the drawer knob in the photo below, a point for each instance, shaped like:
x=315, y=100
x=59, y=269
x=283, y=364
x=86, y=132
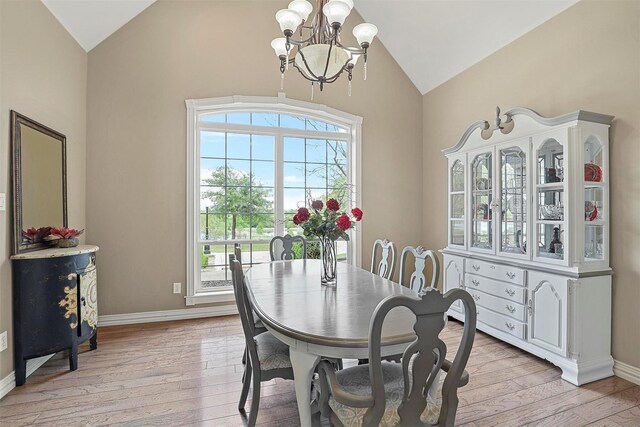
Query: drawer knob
x=511, y=309
x=475, y=282
x=510, y=275
x=475, y=267
x=510, y=326
x=476, y=297
x=510, y=292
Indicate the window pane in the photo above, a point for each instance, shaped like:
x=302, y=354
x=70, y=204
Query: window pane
x=238, y=226
x=264, y=119
x=337, y=176
x=262, y=226
x=212, y=144
x=262, y=173
x=337, y=152
x=239, y=118
x=213, y=118
x=212, y=198
x=316, y=176
x=293, y=149
x=238, y=146
x=293, y=174
x=291, y=122
x=261, y=200
x=262, y=147
x=209, y=167
x=238, y=172
x=316, y=150
x=214, y=272
x=316, y=125
x=334, y=128
x=212, y=226
x=293, y=199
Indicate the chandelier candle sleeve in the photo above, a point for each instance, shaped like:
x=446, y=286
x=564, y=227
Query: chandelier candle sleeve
x=319, y=54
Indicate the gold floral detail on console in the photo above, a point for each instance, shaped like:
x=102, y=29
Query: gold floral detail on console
x=89, y=296
x=70, y=302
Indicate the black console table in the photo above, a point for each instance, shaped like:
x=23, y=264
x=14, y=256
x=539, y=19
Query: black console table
x=55, y=305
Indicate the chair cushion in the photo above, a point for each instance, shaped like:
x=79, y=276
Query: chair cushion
x=272, y=353
x=355, y=380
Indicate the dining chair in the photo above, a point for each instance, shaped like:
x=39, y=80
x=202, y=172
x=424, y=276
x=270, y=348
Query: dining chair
x=281, y=247
x=384, y=268
x=268, y=357
x=390, y=394
x=417, y=280
x=258, y=326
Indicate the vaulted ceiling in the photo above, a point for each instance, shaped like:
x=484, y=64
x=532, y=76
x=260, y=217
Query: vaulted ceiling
x=432, y=40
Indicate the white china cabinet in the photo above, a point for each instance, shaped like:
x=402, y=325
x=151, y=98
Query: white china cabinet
x=528, y=223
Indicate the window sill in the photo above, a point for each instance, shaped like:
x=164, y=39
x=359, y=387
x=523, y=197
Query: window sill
x=211, y=297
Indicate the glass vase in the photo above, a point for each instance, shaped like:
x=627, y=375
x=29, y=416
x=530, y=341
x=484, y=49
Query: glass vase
x=329, y=262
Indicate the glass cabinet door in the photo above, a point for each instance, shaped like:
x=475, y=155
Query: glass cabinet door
x=481, y=199
x=550, y=201
x=595, y=198
x=456, y=203
x=513, y=194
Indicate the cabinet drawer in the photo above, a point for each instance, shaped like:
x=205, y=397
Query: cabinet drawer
x=505, y=273
x=505, y=307
x=500, y=322
x=496, y=288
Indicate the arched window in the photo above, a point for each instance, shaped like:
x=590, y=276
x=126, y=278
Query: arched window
x=251, y=162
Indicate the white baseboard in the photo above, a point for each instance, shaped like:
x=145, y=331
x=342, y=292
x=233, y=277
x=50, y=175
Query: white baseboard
x=8, y=383
x=627, y=372
x=162, y=316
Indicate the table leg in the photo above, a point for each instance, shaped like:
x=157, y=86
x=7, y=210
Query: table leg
x=303, y=365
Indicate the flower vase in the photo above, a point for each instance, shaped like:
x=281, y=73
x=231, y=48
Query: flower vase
x=70, y=242
x=329, y=262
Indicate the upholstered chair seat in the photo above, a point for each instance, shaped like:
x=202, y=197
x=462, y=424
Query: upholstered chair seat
x=272, y=353
x=356, y=381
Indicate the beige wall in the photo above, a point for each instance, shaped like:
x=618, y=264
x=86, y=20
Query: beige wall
x=588, y=57
x=138, y=81
x=43, y=75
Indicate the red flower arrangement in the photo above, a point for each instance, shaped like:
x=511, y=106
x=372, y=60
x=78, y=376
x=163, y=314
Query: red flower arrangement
x=328, y=224
x=34, y=235
x=65, y=233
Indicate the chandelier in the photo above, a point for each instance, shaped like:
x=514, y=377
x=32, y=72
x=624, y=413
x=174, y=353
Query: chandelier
x=319, y=54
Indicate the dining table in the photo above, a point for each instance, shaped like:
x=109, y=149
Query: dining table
x=318, y=321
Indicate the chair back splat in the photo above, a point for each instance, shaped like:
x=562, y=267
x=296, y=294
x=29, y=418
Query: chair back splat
x=281, y=247
x=426, y=355
x=384, y=266
x=417, y=280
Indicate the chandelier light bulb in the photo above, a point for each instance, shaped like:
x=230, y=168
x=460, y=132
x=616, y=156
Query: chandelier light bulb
x=279, y=45
x=336, y=12
x=365, y=33
x=302, y=8
x=289, y=20
x=347, y=2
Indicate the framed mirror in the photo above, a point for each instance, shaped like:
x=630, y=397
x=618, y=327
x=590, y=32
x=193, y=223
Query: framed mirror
x=39, y=182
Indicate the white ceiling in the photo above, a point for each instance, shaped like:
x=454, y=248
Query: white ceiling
x=432, y=40
x=91, y=21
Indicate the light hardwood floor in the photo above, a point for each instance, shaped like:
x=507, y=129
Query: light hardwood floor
x=189, y=372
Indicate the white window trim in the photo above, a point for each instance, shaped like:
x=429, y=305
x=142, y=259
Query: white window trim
x=280, y=104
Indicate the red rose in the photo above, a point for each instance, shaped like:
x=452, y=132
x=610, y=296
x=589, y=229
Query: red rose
x=317, y=205
x=343, y=221
x=296, y=220
x=357, y=213
x=303, y=214
x=333, y=205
